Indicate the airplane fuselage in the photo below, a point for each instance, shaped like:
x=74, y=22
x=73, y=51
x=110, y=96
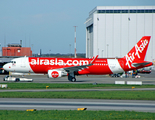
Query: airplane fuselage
x=58, y=67
x=42, y=65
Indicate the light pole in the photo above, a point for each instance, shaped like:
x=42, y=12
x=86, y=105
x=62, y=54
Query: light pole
x=0, y=50
x=102, y=53
x=107, y=50
x=98, y=51
x=75, y=42
x=49, y=52
x=70, y=50
x=32, y=49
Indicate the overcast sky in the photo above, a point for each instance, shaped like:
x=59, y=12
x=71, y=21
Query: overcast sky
x=48, y=24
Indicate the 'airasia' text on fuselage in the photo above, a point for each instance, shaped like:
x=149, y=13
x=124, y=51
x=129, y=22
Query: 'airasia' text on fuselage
x=55, y=61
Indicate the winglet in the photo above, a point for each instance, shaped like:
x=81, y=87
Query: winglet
x=92, y=62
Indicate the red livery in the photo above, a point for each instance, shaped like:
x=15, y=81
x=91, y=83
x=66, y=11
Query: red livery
x=58, y=67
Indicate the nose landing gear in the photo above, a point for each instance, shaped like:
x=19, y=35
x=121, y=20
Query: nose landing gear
x=71, y=77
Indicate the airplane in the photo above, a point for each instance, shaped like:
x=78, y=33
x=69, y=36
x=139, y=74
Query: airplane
x=59, y=67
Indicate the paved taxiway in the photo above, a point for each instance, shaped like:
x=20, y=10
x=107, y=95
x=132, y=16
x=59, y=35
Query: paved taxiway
x=73, y=104
x=80, y=90
x=145, y=78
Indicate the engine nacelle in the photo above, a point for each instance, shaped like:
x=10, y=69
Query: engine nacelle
x=56, y=73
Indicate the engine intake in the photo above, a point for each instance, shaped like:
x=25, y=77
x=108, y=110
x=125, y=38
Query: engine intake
x=56, y=73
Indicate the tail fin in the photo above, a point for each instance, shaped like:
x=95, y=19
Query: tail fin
x=138, y=52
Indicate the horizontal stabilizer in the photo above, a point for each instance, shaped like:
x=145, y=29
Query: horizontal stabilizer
x=141, y=63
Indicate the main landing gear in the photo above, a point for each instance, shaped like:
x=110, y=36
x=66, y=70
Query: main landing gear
x=71, y=77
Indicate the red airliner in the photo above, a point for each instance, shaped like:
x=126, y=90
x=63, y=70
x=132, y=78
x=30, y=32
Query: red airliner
x=58, y=67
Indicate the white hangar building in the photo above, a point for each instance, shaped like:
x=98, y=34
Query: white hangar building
x=112, y=31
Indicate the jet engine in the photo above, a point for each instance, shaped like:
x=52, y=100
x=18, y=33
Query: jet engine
x=56, y=73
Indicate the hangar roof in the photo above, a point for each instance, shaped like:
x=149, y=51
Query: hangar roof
x=128, y=8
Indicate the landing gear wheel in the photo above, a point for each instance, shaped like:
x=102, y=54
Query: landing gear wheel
x=73, y=79
x=17, y=80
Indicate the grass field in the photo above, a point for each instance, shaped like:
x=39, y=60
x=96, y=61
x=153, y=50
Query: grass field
x=69, y=85
x=120, y=95
x=75, y=115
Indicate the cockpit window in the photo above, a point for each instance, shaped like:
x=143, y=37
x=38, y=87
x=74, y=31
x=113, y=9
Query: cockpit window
x=12, y=62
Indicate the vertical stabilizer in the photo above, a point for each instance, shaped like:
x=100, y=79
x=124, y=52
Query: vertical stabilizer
x=138, y=52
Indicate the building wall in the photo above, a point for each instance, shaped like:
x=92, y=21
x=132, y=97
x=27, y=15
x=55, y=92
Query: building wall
x=89, y=32
x=114, y=34
x=16, y=51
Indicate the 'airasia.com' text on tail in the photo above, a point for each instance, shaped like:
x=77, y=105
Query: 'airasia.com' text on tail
x=136, y=56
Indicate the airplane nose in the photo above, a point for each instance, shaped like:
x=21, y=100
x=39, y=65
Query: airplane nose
x=6, y=67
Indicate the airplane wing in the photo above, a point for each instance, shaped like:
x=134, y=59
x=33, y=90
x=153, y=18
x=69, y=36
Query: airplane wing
x=140, y=63
x=76, y=68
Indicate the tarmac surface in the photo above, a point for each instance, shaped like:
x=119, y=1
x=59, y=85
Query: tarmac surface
x=73, y=104
x=104, y=79
x=79, y=90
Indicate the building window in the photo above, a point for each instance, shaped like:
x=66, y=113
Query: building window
x=124, y=11
x=148, y=11
x=140, y=11
x=127, y=11
x=133, y=11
